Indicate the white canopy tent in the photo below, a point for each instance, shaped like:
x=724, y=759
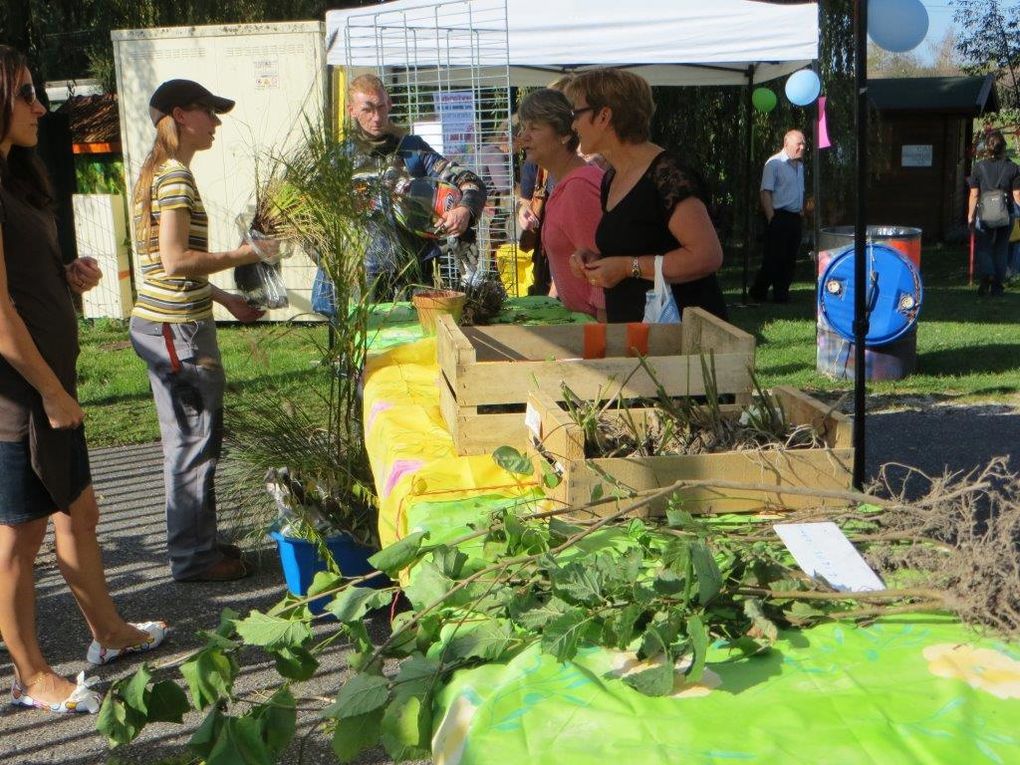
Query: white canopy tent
x=669, y=42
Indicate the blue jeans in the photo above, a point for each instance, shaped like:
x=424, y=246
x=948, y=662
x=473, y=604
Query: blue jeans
x=23, y=497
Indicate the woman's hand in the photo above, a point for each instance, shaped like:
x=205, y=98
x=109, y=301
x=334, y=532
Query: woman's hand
x=82, y=274
x=578, y=260
x=62, y=410
x=526, y=219
x=240, y=309
x=266, y=250
x=607, y=272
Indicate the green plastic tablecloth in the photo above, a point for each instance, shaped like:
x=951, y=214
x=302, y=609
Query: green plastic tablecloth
x=914, y=690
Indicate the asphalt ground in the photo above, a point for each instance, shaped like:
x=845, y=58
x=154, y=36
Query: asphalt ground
x=927, y=434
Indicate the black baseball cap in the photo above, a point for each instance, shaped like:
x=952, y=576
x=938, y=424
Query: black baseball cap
x=173, y=93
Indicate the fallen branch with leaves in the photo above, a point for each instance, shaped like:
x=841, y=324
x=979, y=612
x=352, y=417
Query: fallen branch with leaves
x=665, y=588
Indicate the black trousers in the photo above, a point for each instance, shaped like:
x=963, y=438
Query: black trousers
x=782, y=242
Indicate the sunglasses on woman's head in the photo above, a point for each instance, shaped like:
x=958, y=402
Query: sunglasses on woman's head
x=27, y=93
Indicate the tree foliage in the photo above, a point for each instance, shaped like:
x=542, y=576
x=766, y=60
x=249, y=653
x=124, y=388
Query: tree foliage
x=989, y=41
x=943, y=60
x=67, y=39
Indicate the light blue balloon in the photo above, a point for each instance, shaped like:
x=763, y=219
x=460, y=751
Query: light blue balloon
x=803, y=87
x=897, y=25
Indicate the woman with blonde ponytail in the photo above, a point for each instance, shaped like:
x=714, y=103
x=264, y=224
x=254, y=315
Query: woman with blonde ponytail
x=172, y=327
x=163, y=149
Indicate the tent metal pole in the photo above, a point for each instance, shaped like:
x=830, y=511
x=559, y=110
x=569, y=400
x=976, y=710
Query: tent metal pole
x=860, y=238
x=748, y=196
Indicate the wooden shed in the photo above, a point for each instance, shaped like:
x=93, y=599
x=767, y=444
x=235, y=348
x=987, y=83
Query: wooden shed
x=919, y=156
x=95, y=123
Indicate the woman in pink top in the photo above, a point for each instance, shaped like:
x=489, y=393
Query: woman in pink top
x=574, y=208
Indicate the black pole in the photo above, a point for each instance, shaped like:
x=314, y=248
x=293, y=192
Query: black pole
x=749, y=198
x=860, y=236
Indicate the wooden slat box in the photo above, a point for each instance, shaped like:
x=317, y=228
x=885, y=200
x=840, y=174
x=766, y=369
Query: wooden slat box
x=497, y=366
x=821, y=468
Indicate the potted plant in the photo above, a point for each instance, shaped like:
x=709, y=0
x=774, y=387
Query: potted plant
x=322, y=511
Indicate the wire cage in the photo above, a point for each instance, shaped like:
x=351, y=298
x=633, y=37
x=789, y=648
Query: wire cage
x=446, y=67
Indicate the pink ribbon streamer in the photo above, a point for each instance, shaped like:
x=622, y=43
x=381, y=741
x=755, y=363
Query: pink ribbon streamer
x=823, y=128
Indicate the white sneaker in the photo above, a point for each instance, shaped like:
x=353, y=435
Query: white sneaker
x=156, y=631
x=82, y=700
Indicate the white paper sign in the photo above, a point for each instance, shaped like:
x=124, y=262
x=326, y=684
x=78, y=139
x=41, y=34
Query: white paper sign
x=916, y=155
x=533, y=421
x=823, y=552
x=457, y=113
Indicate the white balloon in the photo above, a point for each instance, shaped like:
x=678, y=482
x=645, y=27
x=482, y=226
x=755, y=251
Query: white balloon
x=897, y=25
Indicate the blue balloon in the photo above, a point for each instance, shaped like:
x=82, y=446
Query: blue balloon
x=897, y=25
x=803, y=87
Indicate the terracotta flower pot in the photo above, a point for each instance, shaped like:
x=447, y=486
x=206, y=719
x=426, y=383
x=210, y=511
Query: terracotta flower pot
x=431, y=302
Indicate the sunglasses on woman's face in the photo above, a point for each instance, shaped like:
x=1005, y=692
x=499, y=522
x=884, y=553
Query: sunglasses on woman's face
x=27, y=93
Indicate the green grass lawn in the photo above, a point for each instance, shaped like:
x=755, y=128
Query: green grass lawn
x=967, y=348
x=114, y=387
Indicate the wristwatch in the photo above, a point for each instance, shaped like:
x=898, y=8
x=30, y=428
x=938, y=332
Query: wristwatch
x=635, y=268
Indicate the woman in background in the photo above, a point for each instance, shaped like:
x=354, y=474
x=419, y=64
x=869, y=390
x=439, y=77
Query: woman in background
x=995, y=173
x=44, y=464
x=573, y=210
x=650, y=205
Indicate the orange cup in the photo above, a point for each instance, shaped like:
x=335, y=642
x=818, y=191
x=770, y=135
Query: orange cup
x=637, y=338
x=595, y=341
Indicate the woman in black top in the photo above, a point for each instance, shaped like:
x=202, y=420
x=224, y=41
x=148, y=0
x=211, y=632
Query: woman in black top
x=44, y=469
x=991, y=245
x=650, y=205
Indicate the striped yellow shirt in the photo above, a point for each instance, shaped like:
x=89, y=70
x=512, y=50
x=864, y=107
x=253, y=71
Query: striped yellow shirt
x=172, y=298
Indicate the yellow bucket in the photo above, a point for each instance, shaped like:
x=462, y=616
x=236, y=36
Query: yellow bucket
x=515, y=270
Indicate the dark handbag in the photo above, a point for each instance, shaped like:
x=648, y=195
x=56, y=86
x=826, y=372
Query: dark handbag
x=530, y=239
x=993, y=207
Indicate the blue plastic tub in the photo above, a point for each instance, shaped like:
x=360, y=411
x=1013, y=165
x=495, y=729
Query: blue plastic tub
x=301, y=562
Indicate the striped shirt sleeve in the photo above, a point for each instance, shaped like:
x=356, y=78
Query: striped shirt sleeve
x=176, y=190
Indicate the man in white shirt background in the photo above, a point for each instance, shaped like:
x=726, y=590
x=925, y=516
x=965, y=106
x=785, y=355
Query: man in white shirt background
x=782, y=200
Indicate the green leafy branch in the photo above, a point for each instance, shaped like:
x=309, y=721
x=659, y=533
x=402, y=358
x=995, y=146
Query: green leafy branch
x=663, y=588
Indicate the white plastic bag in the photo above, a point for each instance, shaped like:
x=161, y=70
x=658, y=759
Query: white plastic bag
x=660, y=307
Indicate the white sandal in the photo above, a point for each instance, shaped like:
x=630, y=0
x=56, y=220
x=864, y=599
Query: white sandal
x=82, y=700
x=156, y=632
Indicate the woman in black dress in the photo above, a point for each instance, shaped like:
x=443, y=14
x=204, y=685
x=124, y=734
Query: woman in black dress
x=44, y=467
x=650, y=205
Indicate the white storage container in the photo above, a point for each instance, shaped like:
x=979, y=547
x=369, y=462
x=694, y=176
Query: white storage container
x=277, y=75
x=100, y=228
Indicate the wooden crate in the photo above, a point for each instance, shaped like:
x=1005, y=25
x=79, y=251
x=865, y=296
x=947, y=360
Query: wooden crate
x=562, y=443
x=498, y=366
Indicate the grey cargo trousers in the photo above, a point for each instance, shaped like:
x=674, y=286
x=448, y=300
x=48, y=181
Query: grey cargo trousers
x=186, y=374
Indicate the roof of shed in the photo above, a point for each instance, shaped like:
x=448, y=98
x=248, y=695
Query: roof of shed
x=94, y=119
x=971, y=96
